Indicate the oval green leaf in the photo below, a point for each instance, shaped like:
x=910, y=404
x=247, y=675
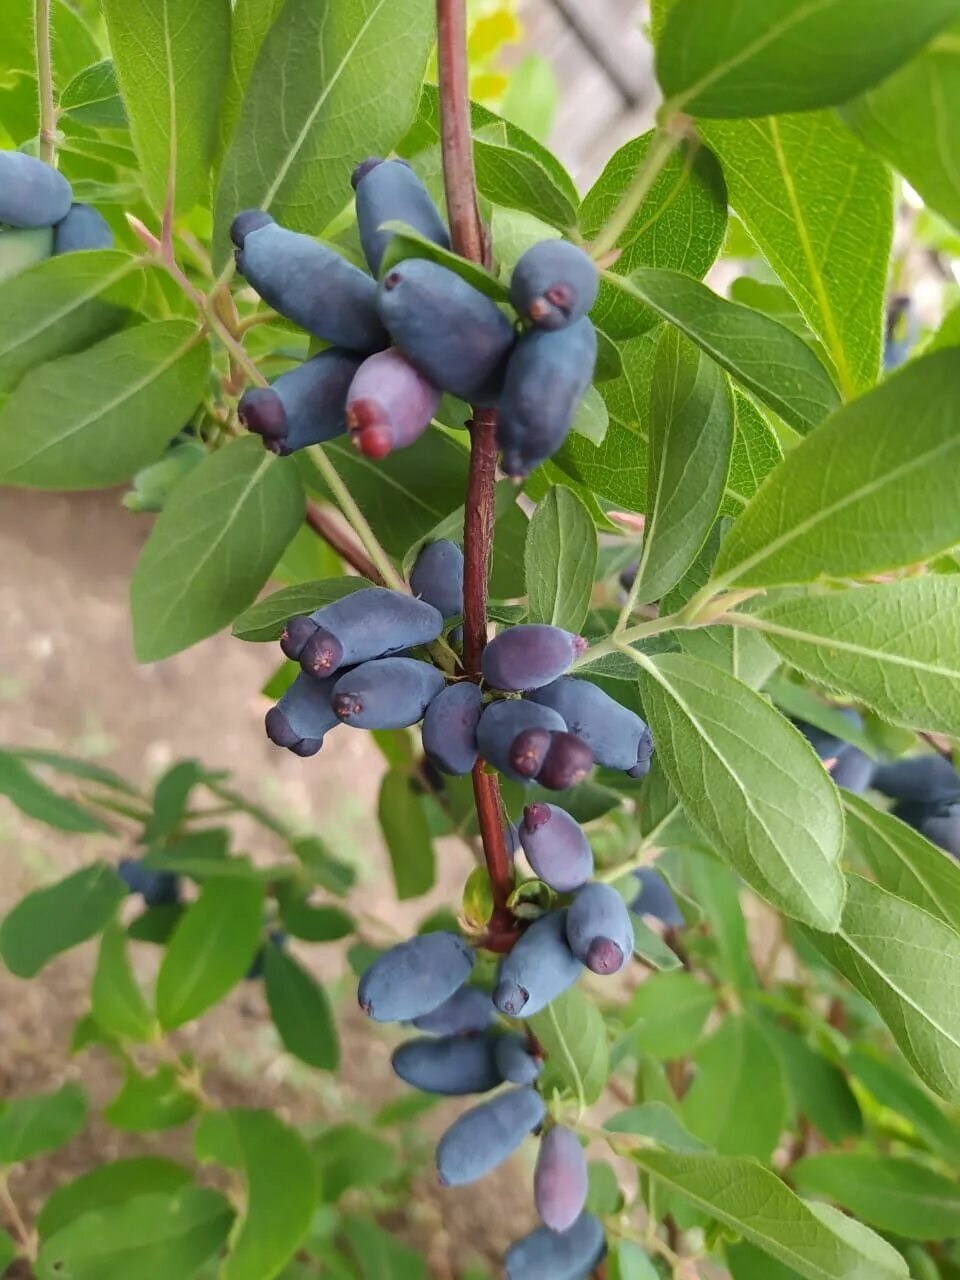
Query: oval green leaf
x=52, y=920
x=560, y=560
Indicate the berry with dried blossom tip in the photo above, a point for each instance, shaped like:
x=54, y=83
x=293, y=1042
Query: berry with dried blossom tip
x=546, y=378
x=484, y=1136
x=565, y=1255
x=84, y=227
x=449, y=731
x=437, y=576
x=468, y=1009
x=386, y=693
x=373, y=622
x=308, y=283
x=389, y=404
x=451, y=1065
x=456, y=336
x=302, y=716
x=415, y=977
x=554, y=284
x=556, y=847
x=514, y=1062
x=304, y=406
x=611, y=731
x=599, y=929
x=560, y=1179
x=530, y=655
x=502, y=722
x=540, y=967
x=389, y=191
x=567, y=762
x=529, y=750
x=32, y=194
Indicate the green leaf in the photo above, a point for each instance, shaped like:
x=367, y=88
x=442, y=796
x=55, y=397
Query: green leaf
x=888, y=1192
x=266, y=619
x=37, y=800
x=40, y=1122
x=894, y=646
x=820, y=208
x=572, y=1031
x=691, y=437
x=407, y=242
x=62, y=305
x=905, y=118
x=311, y=924
x=591, y=419
x=750, y=781
x=716, y=890
x=211, y=949
x=751, y=1200
x=680, y=224
x=348, y=1157
x=667, y=1014
x=560, y=560
x=859, y=472
x=902, y=860
x=152, y=1237
x=759, y=353
x=88, y=421
x=8, y=1251
x=150, y=1103
x=737, y=1102
x=173, y=110
x=407, y=835
x=171, y=798
x=905, y=963
x=251, y=21
x=532, y=95
x=818, y=1089
x=318, y=62
x=51, y=920
x=213, y=547
x=281, y=1196
x=93, y=98
x=659, y=1123
x=895, y=1087
x=379, y=1255
x=117, y=1002
x=301, y=1011
x=786, y=55
x=76, y=768
x=746, y=1262
x=627, y=1261
x=109, y=1184
x=756, y=451
x=651, y=948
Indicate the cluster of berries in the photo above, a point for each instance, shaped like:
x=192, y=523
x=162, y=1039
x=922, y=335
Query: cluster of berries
x=398, y=344
x=37, y=200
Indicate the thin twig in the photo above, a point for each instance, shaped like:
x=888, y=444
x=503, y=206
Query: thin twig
x=661, y=148
x=48, y=108
x=325, y=526
x=355, y=518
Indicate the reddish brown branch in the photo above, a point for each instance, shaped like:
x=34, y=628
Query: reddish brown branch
x=325, y=526
x=469, y=240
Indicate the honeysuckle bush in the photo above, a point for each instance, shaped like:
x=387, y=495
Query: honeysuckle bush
x=785, y=1096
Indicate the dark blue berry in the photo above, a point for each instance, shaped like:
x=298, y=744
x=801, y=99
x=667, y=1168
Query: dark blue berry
x=484, y=1136
x=554, y=284
x=556, y=847
x=540, y=967
x=415, y=977
x=386, y=693
x=84, y=227
x=371, y=623
x=599, y=930
x=302, y=716
x=32, y=194
x=449, y=1064
x=611, y=731
x=450, y=728
x=500, y=725
x=304, y=406
x=529, y=656
x=437, y=576
x=389, y=191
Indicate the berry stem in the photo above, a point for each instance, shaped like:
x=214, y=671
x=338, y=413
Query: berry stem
x=323, y=524
x=355, y=517
x=470, y=241
x=48, y=109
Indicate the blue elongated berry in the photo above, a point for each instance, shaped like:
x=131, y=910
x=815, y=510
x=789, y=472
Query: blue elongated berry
x=306, y=405
x=566, y=1255
x=302, y=716
x=371, y=623
x=919, y=778
x=32, y=194
x=540, y=967
x=556, y=847
x=599, y=930
x=644, y=756
x=450, y=1064
x=502, y=722
x=611, y=731
x=389, y=191
x=437, y=576
x=560, y=1179
x=84, y=227
x=457, y=337
x=554, y=284
x=943, y=828
x=557, y=760
x=655, y=898
x=468, y=1009
x=546, y=378
x=389, y=404
x=853, y=770
x=484, y=1136
x=514, y=1062
x=414, y=977
x=386, y=693
x=450, y=728
x=308, y=283
x=529, y=656
x=157, y=888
